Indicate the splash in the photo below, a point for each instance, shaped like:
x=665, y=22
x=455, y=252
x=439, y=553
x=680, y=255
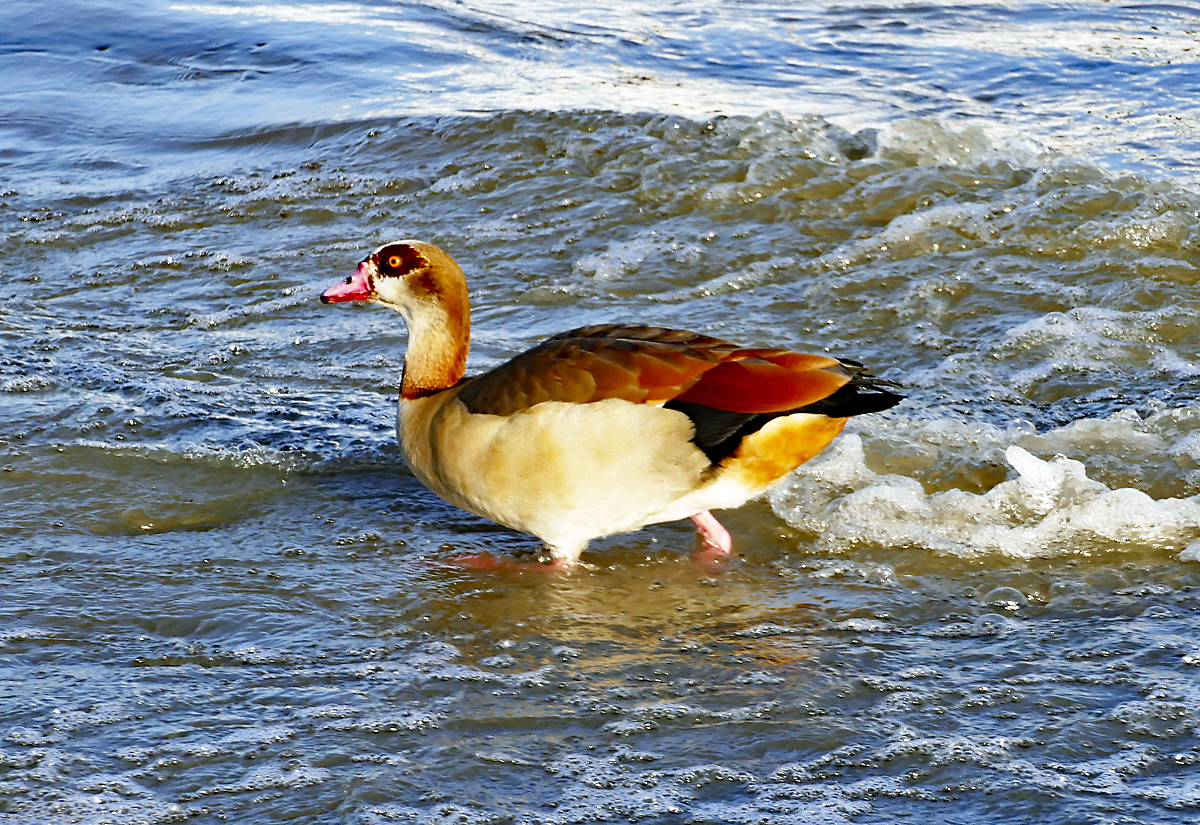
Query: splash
x=1051, y=508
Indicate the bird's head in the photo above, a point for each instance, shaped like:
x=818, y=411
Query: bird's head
x=411, y=277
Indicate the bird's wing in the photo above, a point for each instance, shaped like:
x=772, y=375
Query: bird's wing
x=654, y=365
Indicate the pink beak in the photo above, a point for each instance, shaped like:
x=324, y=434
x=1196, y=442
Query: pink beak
x=356, y=287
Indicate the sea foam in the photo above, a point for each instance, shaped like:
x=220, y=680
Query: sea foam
x=1048, y=508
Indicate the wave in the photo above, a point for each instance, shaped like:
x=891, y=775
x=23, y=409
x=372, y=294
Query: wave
x=1046, y=508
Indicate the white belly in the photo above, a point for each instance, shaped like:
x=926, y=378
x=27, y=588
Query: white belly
x=564, y=472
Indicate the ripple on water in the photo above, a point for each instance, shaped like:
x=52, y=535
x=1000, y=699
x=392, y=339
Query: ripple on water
x=708, y=722
x=224, y=599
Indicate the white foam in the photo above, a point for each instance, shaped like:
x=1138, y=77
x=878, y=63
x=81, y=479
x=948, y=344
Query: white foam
x=1157, y=454
x=627, y=256
x=31, y=383
x=246, y=313
x=932, y=141
x=1051, y=508
x=265, y=778
x=1191, y=553
x=259, y=735
x=21, y=634
x=618, y=787
x=102, y=808
x=619, y=259
x=464, y=181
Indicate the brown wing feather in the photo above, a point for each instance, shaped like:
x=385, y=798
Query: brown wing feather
x=638, y=364
x=652, y=365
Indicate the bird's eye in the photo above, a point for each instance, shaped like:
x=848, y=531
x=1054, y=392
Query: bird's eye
x=394, y=262
x=349, y=278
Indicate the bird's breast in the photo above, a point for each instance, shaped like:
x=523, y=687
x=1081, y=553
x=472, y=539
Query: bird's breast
x=556, y=466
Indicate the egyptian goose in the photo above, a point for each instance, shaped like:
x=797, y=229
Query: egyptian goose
x=603, y=429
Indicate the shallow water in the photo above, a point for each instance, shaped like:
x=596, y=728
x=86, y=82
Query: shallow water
x=226, y=600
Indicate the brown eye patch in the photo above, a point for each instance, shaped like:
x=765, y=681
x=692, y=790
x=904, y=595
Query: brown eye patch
x=398, y=259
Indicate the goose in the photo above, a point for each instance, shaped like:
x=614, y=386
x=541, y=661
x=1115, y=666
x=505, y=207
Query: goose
x=602, y=429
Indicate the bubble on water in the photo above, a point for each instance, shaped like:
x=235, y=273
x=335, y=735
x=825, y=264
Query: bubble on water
x=24, y=735
x=601, y=790
x=415, y=719
x=944, y=750
x=260, y=655
x=467, y=673
x=628, y=727
x=919, y=672
x=873, y=573
x=760, y=631
x=104, y=807
x=1154, y=453
x=1008, y=598
x=989, y=624
x=1184, y=794
x=104, y=713
x=267, y=777
x=758, y=677
x=114, y=783
x=21, y=634
x=329, y=712
x=861, y=625
x=503, y=660
x=442, y=813
x=433, y=654
x=259, y=735
x=30, y=383
x=1162, y=717
x=652, y=716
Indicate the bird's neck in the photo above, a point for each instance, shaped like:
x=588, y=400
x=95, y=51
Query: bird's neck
x=439, y=336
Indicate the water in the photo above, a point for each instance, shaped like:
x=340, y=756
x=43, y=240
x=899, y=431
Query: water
x=225, y=600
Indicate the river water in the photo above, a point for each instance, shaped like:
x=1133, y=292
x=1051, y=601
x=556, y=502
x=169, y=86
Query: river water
x=225, y=600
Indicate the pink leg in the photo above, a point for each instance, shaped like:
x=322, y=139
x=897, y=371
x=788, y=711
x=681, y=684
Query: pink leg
x=713, y=535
